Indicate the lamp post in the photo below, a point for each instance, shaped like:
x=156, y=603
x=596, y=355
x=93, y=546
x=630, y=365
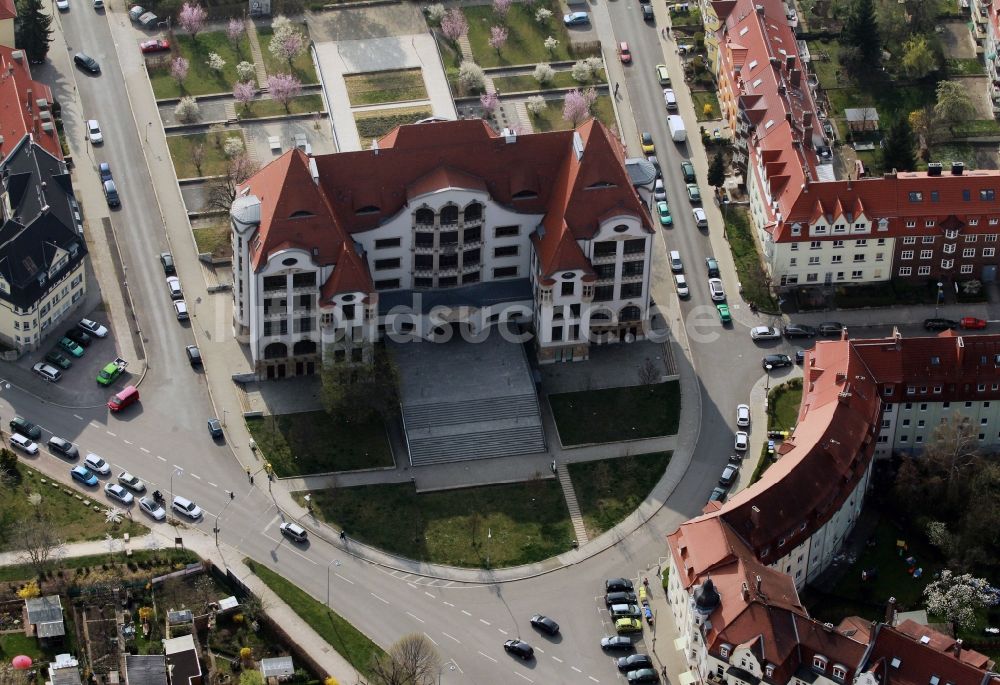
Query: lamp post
x=332, y=562
x=178, y=471
x=940, y=296
x=148, y=124
x=489, y=536
x=216, y=528
x=224, y=413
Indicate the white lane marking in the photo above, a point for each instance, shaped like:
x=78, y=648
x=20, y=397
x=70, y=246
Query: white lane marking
x=288, y=547
x=143, y=449
x=212, y=484
x=277, y=517
x=378, y=598
x=195, y=475
x=179, y=468
x=412, y=585
x=523, y=676
x=127, y=442
x=405, y=576
x=484, y=621
x=557, y=659
x=94, y=424
x=429, y=595
x=466, y=612
x=540, y=651
x=113, y=435
x=415, y=618
x=458, y=667
x=452, y=637
x=594, y=679
x=77, y=417
x=576, y=669
x=348, y=580
x=488, y=657
x=160, y=458
x=431, y=639
x=502, y=631
x=448, y=604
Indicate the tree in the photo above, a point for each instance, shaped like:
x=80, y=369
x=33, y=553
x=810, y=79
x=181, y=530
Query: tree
x=542, y=16
x=577, y=105
x=581, y=71
x=861, y=32
x=717, y=171
x=29, y=590
x=243, y=93
x=957, y=597
x=179, y=70
x=454, y=25
x=215, y=62
x=235, y=30
x=412, y=660
x=953, y=103
x=245, y=71
x=489, y=102
x=952, y=450
x=471, y=76
x=287, y=44
x=187, y=110
x=435, y=13
x=551, y=44
x=283, y=88
x=501, y=8
x=595, y=64
x=222, y=191
x=198, y=157
x=918, y=59
x=32, y=30
x=359, y=391
x=897, y=152
x=543, y=73
x=232, y=147
x=37, y=543
x=536, y=104
x=649, y=372
x=498, y=38
x=8, y=464
x=192, y=18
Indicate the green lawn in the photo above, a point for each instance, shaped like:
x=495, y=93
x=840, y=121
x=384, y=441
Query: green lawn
x=611, y=489
x=398, y=85
x=751, y=273
x=526, y=37
x=68, y=516
x=702, y=98
x=527, y=82
x=302, y=66
x=976, y=127
x=272, y=108
x=594, y=416
x=512, y=524
x=214, y=162
x=379, y=122
x=349, y=642
x=200, y=79
x=22, y=572
x=970, y=66
x=315, y=442
x=783, y=405
x=551, y=118
x=214, y=239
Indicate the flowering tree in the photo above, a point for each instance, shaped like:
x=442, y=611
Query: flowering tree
x=435, y=13
x=581, y=71
x=501, y=8
x=234, y=32
x=232, y=147
x=577, y=105
x=551, y=44
x=544, y=73
x=187, y=110
x=454, y=25
x=498, y=38
x=215, y=62
x=471, y=76
x=179, y=70
x=245, y=71
x=543, y=15
x=536, y=104
x=283, y=88
x=192, y=18
x=490, y=102
x=595, y=64
x=287, y=44
x=957, y=597
x=243, y=93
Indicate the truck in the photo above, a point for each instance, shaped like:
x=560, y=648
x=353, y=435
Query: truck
x=111, y=371
x=677, y=130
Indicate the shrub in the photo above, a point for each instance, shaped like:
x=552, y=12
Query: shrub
x=544, y=73
x=187, y=110
x=471, y=76
x=535, y=104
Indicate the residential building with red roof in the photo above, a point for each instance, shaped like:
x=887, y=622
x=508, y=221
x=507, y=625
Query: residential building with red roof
x=8, y=13
x=25, y=106
x=441, y=223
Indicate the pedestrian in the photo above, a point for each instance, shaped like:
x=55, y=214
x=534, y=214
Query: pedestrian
x=663, y=33
x=617, y=85
x=232, y=495
x=249, y=477
x=251, y=480
x=343, y=534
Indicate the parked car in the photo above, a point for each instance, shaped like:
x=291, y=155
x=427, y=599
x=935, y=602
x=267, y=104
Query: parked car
x=776, y=361
x=682, y=286
x=725, y=316
x=623, y=626
x=97, y=464
x=63, y=447
x=619, y=597
x=662, y=75
x=676, y=264
x=646, y=140
x=152, y=508
x=716, y=290
x=718, y=495
x=687, y=170
x=633, y=662
x=544, y=624
x=293, y=531
x=625, y=610
x=111, y=194
x=663, y=212
x=148, y=46
x=700, y=218
x=799, y=330
x=193, y=355
x=669, y=99
x=181, y=310
x=79, y=337
x=742, y=441
x=117, y=492
x=87, y=63
x=830, y=328
x=618, y=585
x=622, y=642
x=656, y=163
x=742, y=415
x=167, y=260
x=659, y=192
x=187, y=507
x=647, y=13
x=104, y=171
x=624, y=54
x=62, y=5
x=972, y=322
x=642, y=675
x=24, y=427
x=800, y=356
x=174, y=286
x=131, y=482
x=93, y=328
x=94, y=132
x=764, y=333
x=576, y=19
x=23, y=443
x=939, y=324
x=135, y=12
x=83, y=475
x=215, y=428
x=59, y=359
x=71, y=347
x=728, y=475
x=694, y=194
x=712, y=267
x=522, y=650
x=47, y=372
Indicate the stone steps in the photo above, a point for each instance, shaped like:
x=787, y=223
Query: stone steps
x=574, y=507
x=479, y=445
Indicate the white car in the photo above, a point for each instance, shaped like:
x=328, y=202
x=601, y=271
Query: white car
x=659, y=192
x=62, y=5
x=186, y=507
x=181, y=309
x=716, y=290
x=742, y=415
x=742, y=441
x=764, y=333
x=152, y=509
x=115, y=491
x=94, y=132
x=93, y=328
x=174, y=286
x=131, y=482
x=96, y=464
x=682, y=285
x=24, y=444
x=700, y=219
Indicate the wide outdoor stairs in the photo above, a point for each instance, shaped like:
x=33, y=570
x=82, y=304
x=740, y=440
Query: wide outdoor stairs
x=574, y=507
x=442, y=432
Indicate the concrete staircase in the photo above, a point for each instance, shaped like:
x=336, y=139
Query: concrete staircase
x=258, y=56
x=444, y=432
x=574, y=507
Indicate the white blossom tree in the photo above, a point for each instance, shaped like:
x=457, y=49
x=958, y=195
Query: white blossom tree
x=187, y=110
x=581, y=71
x=435, y=13
x=232, y=147
x=543, y=73
x=535, y=104
x=245, y=71
x=471, y=76
x=957, y=597
x=551, y=43
x=542, y=15
x=215, y=62
x=595, y=64
x=287, y=43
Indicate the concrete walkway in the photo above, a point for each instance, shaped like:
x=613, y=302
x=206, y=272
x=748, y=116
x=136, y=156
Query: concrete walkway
x=579, y=529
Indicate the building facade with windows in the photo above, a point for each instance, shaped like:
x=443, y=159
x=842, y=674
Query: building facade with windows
x=443, y=227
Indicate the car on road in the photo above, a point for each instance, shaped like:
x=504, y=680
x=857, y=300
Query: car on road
x=700, y=218
x=87, y=63
x=656, y=164
x=26, y=428
x=712, y=267
x=669, y=99
x=694, y=194
x=115, y=491
x=148, y=46
x=93, y=328
x=764, y=333
x=609, y=642
x=718, y=495
x=215, y=428
x=522, y=650
x=23, y=443
x=776, y=361
x=676, y=263
x=167, y=260
x=185, y=506
x=624, y=54
x=663, y=212
x=181, y=310
x=687, y=170
x=47, y=371
x=71, y=347
x=799, y=330
x=642, y=675
x=174, y=286
x=623, y=626
x=728, y=475
x=725, y=316
x=800, y=356
x=619, y=597
x=618, y=585
x=576, y=19
x=293, y=531
x=62, y=5
x=939, y=324
x=830, y=328
x=79, y=337
x=97, y=464
x=94, y=132
x=111, y=194
x=633, y=662
x=682, y=285
x=544, y=624
x=104, y=171
x=131, y=482
x=662, y=75
x=647, y=13
x=659, y=192
x=648, y=146
x=59, y=359
x=83, y=475
x=716, y=290
x=625, y=610
x=193, y=355
x=152, y=508
x=742, y=440
x=742, y=415
x=972, y=323
x=63, y=447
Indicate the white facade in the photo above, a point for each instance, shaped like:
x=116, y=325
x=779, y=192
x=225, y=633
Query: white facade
x=26, y=328
x=909, y=426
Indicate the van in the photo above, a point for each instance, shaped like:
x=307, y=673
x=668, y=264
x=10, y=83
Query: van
x=676, y=265
x=669, y=99
x=49, y=373
x=129, y=395
x=624, y=611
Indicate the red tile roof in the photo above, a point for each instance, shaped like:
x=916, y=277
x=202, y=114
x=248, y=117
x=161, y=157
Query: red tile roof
x=943, y=643
x=898, y=659
x=19, y=115
x=8, y=10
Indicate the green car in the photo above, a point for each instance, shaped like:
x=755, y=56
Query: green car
x=693, y=193
x=687, y=169
x=724, y=315
x=59, y=359
x=71, y=347
x=664, y=212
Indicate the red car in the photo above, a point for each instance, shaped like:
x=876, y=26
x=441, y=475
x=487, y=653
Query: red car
x=624, y=53
x=154, y=45
x=973, y=322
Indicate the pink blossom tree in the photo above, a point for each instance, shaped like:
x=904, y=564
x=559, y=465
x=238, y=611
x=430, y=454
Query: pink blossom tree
x=243, y=93
x=287, y=45
x=179, y=70
x=501, y=8
x=490, y=102
x=283, y=88
x=577, y=106
x=192, y=18
x=454, y=25
x=498, y=38
x=234, y=32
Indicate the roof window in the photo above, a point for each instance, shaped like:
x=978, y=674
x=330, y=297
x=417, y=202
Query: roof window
x=895, y=663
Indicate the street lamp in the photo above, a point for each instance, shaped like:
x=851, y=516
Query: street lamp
x=489, y=536
x=332, y=562
x=148, y=124
x=940, y=296
x=178, y=471
x=215, y=530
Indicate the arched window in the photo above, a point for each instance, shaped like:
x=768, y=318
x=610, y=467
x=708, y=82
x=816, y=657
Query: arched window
x=474, y=212
x=276, y=350
x=425, y=216
x=304, y=347
x=630, y=313
x=449, y=214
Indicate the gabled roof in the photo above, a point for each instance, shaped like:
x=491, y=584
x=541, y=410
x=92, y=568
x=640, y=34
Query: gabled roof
x=895, y=658
x=943, y=643
x=20, y=114
x=8, y=10
x=145, y=669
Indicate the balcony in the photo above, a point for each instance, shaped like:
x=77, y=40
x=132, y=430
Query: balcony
x=275, y=314
x=606, y=259
x=632, y=278
x=304, y=289
x=275, y=292
x=299, y=312
x=424, y=249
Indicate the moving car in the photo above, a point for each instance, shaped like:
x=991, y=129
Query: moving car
x=939, y=324
x=49, y=373
x=633, y=662
x=193, y=355
x=687, y=170
x=642, y=675
x=94, y=132
x=663, y=212
x=700, y=218
x=694, y=194
x=93, y=328
x=174, y=286
x=71, y=347
x=776, y=361
x=148, y=46
x=800, y=356
x=187, y=507
x=83, y=475
x=79, y=337
x=24, y=444
x=115, y=491
x=167, y=260
x=125, y=397
x=715, y=289
x=764, y=333
x=576, y=19
x=742, y=415
x=662, y=75
x=522, y=650
x=647, y=13
x=682, y=286
x=215, y=428
x=830, y=328
x=544, y=624
x=648, y=146
x=619, y=597
x=624, y=54
x=87, y=63
x=728, y=475
x=152, y=508
x=742, y=441
x=59, y=359
x=111, y=371
x=97, y=464
x=131, y=482
x=972, y=322
x=724, y=314
x=799, y=330
x=63, y=447
x=712, y=267
x=293, y=531
x=26, y=428
x=616, y=642
x=624, y=626
x=618, y=585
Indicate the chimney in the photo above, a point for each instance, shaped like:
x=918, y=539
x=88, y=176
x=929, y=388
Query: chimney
x=760, y=9
x=757, y=579
x=509, y=136
x=958, y=648
x=18, y=56
x=754, y=516
x=957, y=168
x=934, y=168
x=745, y=591
x=795, y=76
x=789, y=61
x=890, y=612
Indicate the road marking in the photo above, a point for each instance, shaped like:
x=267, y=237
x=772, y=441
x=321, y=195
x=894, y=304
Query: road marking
x=488, y=657
x=412, y=585
x=127, y=442
x=594, y=679
x=415, y=618
x=540, y=651
x=160, y=458
x=523, y=676
x=143, y=449
x=466, y=612
x=557, y=659
x=504, y=632
x=431, y=639
x=484, y=621
x=452, y=637
x=113, y=435
x=576, y=669
x=78, y=417
x=179, y=468
x=449, y=604
x=351, y=582
x=195, y=475
x=378, y=598
x=94, y=424
x=458, y=667
x=277, y=517
x=212, y=484
x=429, y=595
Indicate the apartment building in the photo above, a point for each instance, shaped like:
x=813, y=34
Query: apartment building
x=441, y=226
x=8, y=13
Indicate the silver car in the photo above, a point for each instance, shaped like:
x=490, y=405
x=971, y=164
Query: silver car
x=152, y=509
x=115, y=491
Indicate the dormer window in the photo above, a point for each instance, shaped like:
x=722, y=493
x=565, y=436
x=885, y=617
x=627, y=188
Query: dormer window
x=840, y=673
x=301, y=214
x=724, y=651
x=934, y=680
x=525, y=195
x=769, y=671
x=368, y=209
x=819, y=663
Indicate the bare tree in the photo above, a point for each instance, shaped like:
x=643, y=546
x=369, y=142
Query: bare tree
x=222, y=191
x=198, y=157
x=649, y=372
x=38, y=543
x=412, y=660
x=953, y=448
